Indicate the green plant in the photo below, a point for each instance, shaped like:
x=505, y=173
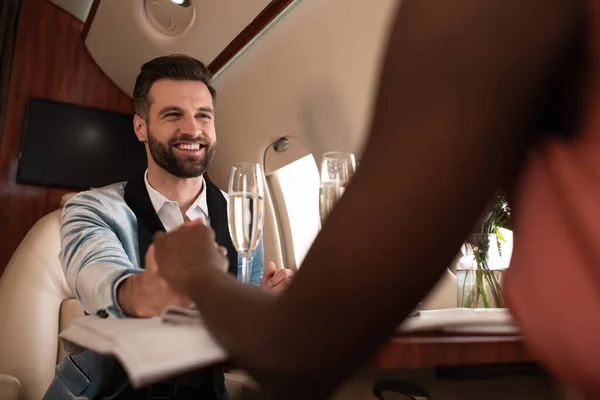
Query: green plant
x=485, y=281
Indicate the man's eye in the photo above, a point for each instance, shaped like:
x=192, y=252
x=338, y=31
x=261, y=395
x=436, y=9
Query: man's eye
x=205, y=116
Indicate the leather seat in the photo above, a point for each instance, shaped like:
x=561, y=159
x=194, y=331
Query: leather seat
x=9, y=387
x=36, y=303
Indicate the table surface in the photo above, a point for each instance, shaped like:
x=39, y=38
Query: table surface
x=419, y=350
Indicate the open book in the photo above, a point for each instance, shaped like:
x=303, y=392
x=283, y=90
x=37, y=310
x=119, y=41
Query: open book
x=150, y=349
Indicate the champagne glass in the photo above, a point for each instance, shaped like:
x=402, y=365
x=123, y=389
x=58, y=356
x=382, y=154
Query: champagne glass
x=337, y=168
x=245, y=210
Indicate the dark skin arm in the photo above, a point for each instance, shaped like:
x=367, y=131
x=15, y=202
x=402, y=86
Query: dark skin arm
x=462, y=89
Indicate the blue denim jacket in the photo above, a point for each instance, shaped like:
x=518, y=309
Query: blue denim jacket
x=98, y=250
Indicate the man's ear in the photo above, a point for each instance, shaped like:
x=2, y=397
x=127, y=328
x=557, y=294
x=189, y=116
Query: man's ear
x=140, y=128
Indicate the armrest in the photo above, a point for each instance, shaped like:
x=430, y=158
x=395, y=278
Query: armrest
x=408, y=389
x=10, y=387
x=240, y=386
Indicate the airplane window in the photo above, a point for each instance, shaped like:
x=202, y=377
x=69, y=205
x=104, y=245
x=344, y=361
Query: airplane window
x=292, y=178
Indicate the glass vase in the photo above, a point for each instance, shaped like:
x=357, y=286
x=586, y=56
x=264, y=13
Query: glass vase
x=480, y=273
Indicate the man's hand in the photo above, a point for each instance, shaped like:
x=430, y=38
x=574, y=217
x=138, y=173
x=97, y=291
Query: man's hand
x=276, y=280
x=146, y=294
x=183, y=254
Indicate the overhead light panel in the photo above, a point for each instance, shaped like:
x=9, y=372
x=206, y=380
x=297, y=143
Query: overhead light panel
x=183, y=3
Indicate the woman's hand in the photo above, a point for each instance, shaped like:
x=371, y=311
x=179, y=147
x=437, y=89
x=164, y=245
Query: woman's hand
x=186, y=253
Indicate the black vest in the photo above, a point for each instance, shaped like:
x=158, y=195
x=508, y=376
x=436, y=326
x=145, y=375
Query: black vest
x=148, y=223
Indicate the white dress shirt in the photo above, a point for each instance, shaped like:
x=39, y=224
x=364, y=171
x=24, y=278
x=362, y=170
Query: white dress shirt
x=168, y=211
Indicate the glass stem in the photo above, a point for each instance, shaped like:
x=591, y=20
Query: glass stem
x=245, y=276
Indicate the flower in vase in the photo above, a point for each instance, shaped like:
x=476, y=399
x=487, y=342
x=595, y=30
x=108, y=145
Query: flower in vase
x=481, y=268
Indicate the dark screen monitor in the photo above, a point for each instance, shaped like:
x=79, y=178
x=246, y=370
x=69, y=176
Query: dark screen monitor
x=71, y=146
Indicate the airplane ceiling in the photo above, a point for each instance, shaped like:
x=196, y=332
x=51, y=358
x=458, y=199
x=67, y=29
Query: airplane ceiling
x=126, y=33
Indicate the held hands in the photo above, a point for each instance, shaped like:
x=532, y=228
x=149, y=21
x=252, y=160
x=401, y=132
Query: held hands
x=146, y=294
x=183, y=254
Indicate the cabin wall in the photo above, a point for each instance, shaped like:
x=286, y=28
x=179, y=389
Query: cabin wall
x=51, y=61
x=312, y=75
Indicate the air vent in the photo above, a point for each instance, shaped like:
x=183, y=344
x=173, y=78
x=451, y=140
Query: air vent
x=169, y=17
x=182, y=3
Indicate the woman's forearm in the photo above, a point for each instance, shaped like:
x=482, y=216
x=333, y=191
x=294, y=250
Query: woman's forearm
x=238, y=315
x=455, y=106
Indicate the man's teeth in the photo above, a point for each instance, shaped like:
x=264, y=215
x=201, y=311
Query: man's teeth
x=195, y=146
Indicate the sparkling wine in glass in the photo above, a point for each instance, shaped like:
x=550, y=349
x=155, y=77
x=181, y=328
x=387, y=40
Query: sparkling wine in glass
x=245, y=210
x=337, y=169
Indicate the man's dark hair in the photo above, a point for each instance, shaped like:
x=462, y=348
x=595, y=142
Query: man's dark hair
x=177, y=67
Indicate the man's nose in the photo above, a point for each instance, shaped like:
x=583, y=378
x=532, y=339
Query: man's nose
x=190, y=126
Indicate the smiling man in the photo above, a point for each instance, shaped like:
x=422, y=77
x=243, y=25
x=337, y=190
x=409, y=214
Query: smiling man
x=106, y=232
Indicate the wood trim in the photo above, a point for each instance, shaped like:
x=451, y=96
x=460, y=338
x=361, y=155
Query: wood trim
x=9, y=12
x=90, y=18
x=423, y=350
x=270, y=12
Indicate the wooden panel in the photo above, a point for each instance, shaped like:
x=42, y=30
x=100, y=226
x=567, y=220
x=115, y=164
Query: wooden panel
x=263, y=19
x=436, y=350
x=50, y=61
x=90, y=19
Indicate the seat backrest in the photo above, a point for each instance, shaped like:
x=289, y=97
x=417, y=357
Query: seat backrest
x=33, y=290
x=69, y=310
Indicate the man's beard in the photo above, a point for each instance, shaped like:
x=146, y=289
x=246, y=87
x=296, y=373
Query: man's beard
x=182, y=166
